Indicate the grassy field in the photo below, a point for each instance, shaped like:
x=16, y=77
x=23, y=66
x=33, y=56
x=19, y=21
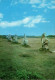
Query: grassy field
x=26, y=63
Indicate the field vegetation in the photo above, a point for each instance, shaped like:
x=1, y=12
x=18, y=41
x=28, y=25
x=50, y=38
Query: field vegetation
x=19, y=62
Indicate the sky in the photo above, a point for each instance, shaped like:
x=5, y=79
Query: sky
x=30, y=17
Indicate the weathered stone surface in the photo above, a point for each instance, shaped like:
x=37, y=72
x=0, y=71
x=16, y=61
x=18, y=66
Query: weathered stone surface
x=15, y=39
x=25, y=41
x=44, y=42
x=9, y=37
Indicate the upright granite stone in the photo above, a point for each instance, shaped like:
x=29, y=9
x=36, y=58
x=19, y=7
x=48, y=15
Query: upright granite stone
x=25, y=41
x=45, y=42
x=9, y=37
x=15, y=39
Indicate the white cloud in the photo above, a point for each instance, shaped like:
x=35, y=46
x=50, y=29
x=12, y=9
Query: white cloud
x=27, y=22
x=41, y=3
x=53, y=2
x=14, y=23
x=44, y=4
x=23, y=1
x=35, y=20
x=9, y=24
x=14, y=2
x=51, y=7
x=34, y=1
x=30, y=1
x=45, y=21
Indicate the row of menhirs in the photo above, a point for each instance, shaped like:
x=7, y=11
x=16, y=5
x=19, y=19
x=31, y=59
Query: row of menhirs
x=14, y=39
x=44, y=40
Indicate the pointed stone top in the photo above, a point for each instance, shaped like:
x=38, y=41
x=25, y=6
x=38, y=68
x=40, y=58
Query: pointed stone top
x=44, y=35
x=24, y=36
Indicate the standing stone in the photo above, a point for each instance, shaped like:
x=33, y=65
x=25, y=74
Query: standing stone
x=44, y=42
x=15, y=39
x=9, y=37
x=25, y=41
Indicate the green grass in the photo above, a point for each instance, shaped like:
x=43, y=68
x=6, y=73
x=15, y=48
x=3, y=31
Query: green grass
x=26, y=63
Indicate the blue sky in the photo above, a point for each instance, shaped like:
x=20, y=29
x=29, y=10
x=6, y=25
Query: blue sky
x=32, y=17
